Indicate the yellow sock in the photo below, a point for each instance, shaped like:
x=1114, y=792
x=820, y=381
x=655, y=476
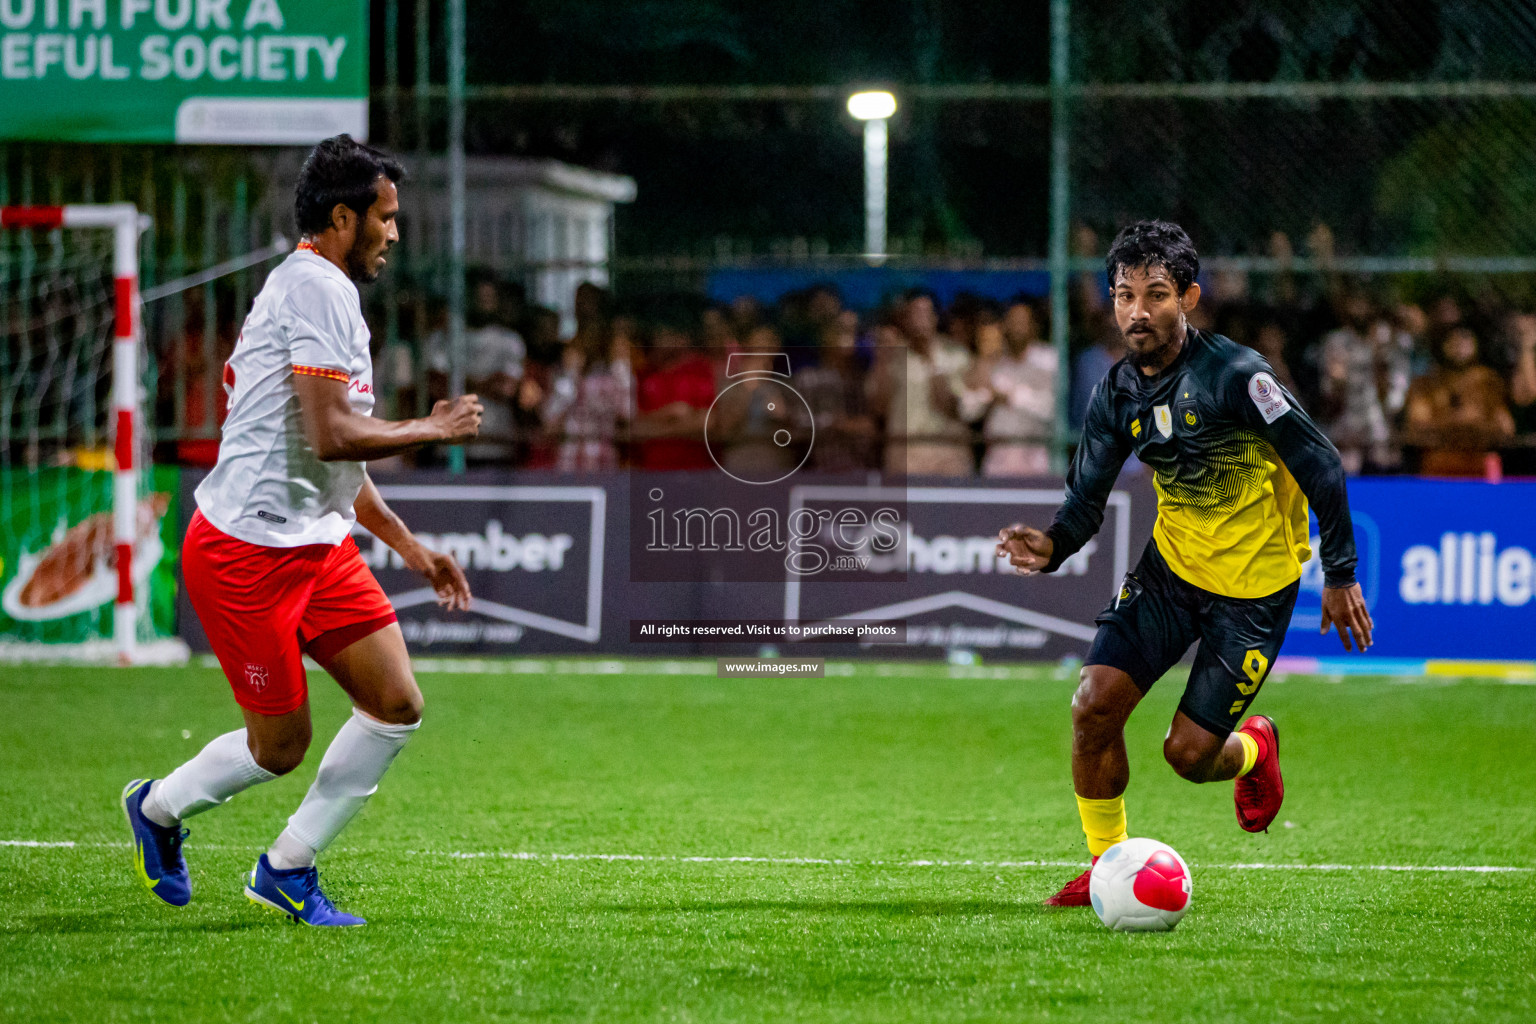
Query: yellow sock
x=1103, y=822
x=1250, y=753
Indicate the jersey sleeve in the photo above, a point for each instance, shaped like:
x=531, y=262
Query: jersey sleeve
x=1260, y=402
x=319, y=323
x=1095, y=467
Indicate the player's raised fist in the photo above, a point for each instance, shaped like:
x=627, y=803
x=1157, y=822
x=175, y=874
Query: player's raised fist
x=460, y=418
x=1028, y=549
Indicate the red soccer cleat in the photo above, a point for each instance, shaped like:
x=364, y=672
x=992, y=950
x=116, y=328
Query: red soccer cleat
x=1075, y=892
x=1258, y=794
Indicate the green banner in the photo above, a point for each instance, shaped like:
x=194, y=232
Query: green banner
x=280, y=72
x=58, y=566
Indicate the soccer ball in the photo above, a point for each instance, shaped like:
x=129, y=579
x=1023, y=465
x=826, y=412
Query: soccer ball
x=1140, y=885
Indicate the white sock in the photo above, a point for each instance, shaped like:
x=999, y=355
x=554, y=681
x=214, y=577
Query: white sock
x=349, y=774
x=288, y=852
x=220, y=770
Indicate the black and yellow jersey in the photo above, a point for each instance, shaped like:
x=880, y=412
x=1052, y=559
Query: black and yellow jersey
x=1234, y=460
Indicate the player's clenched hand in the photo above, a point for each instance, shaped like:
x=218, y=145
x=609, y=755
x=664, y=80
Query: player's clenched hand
x=1028, y=549
x=447, y=580
x=459, y=419
x=1344, y=608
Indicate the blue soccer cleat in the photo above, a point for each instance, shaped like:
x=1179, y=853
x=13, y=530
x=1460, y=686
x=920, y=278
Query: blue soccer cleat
x=157, y=859
x=297, y=894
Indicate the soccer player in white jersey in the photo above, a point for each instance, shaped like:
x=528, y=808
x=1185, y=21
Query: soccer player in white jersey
x=269, y=562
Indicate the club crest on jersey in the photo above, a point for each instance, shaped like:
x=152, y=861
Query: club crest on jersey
x=256, y=676
x=1164, y=420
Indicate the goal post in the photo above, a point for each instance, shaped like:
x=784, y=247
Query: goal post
x=123, y=221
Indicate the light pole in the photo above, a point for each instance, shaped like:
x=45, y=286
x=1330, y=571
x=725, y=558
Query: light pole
x=875, y=110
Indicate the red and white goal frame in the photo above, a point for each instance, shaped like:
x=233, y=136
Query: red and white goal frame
x=122, y=219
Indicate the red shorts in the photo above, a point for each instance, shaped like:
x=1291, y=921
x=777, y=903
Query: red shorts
x=265, y=608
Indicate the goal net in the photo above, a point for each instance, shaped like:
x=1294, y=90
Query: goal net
x=87, y=527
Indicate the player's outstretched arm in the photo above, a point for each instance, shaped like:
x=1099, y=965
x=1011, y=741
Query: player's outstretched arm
x=1096, y=465
x=339, y=434
x=440, y=570
x=1314, y=463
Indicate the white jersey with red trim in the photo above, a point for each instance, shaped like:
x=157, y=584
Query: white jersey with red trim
x=269, y=487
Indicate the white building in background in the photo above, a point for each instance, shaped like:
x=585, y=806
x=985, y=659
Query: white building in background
x=542, y=222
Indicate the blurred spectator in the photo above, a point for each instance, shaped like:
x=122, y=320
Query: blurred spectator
x=593, y=308
x=1093, y=365
x=756, y=412
x=672, y=399
x=541, y=326
x=395, y=365
x=1521, y=331
x=590, y=401
x=919, y=389
x=1522, y=384
x=1363, y=383
x=495, y=363
x=834, y=388
x=1457, y=411
x=187, y=370
x=975, y=324
x=746, y=314
x=1013, y=394
x=719, y=336
x=1271, y=343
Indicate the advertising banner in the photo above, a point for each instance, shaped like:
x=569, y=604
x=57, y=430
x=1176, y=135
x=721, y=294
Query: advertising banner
x=950, y=588
x=1447, y=569
x=569, y=567
x=58, y=563
x=246, y=72
x=533, y=556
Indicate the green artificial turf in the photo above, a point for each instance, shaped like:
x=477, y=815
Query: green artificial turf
x=877, y=769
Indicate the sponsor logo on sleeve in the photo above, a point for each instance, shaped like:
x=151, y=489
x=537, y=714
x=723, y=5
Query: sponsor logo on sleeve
x=1268, y=396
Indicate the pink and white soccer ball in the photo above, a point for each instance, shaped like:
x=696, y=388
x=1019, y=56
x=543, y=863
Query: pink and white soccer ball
x=1140, y=885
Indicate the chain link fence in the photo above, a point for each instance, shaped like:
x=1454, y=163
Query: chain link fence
x=1314, y=150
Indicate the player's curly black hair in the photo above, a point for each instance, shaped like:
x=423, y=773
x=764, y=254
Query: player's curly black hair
x=339, y=170
x=1154, y=243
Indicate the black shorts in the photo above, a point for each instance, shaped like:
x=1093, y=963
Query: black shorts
x=1157, y=615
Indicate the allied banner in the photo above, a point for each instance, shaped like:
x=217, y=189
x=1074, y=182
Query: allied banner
x=1448, y=569
x=245, y=72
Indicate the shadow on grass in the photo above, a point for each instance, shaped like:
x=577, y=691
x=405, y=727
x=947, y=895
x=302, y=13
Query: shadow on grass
x=882, y=908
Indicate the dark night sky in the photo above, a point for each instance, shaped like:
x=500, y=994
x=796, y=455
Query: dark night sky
x=969, y=172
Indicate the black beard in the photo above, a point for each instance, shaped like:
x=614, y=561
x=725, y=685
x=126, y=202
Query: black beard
x=1146, y=358
x=357, y=264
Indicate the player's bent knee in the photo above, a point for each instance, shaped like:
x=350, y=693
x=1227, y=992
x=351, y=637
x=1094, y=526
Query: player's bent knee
x=400, y=706
x=282, y=757
x=1192, y=759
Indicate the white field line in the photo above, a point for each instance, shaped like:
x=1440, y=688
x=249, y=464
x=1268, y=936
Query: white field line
x=987, y=864
x=643, y=858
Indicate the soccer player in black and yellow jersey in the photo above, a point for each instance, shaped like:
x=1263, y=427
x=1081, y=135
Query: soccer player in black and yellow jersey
x=1235, y=461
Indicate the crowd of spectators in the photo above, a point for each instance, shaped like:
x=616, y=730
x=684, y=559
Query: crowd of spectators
x=1443, y=387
